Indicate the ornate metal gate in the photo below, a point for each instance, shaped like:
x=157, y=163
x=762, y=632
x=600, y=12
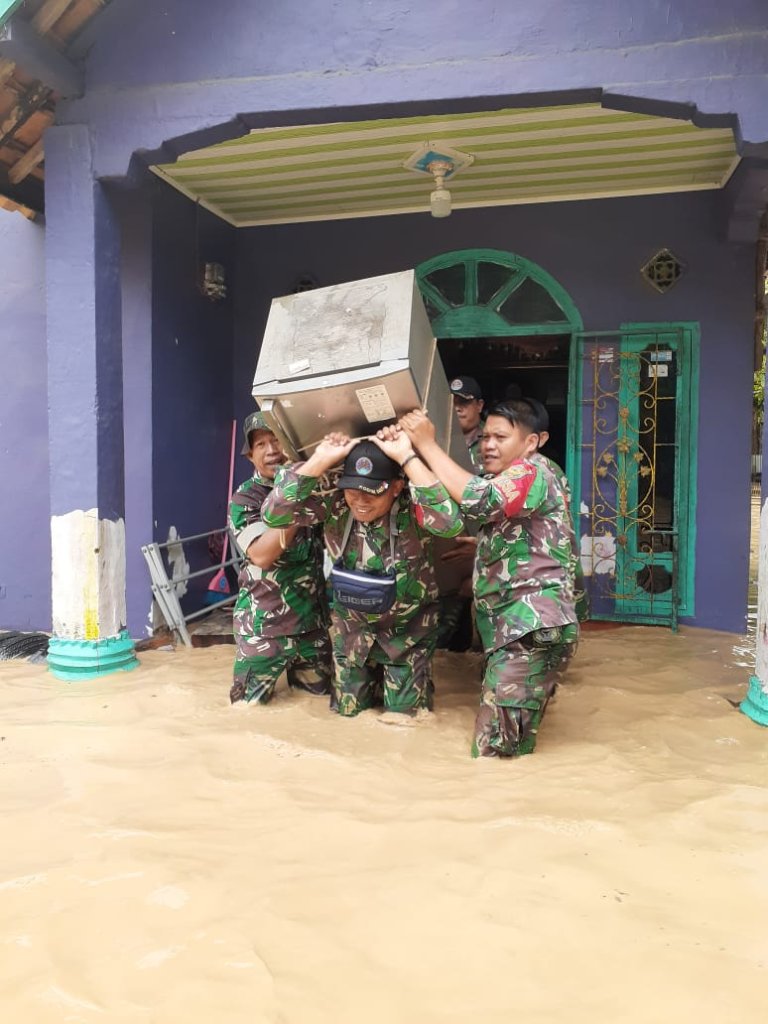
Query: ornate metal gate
x=634, y=473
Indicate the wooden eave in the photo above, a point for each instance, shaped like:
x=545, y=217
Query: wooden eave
x=28, y=97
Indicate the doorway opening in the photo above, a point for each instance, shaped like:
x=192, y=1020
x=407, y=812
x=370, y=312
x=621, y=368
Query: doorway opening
x=514, y=367
x=508, y=323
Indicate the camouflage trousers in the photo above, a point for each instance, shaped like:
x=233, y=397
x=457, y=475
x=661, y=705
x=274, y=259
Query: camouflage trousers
x=402, y=684
x=260, y=660
x=518, y=680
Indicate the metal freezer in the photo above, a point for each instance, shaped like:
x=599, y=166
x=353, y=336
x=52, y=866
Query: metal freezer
x=351, y=358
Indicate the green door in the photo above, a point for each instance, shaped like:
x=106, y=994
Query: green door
x=635, y=466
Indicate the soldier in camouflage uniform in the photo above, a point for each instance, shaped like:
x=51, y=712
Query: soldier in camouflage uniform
x=524, y=573
x=541, y=427
x=280, y=617
x=468, y=406
x=374, y=525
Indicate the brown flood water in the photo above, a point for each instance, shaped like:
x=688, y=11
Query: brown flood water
x=166, y=858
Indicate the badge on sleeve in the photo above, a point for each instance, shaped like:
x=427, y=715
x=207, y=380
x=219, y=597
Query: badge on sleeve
x=513, y=485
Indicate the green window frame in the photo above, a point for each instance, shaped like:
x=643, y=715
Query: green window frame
x=463, y=302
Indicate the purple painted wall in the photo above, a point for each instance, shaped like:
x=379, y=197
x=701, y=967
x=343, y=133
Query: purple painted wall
x=191, y=372
x=135, y=213
x=595, y=250
x=25, y=536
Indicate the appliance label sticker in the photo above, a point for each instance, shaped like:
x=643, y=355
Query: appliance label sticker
x=376, y=404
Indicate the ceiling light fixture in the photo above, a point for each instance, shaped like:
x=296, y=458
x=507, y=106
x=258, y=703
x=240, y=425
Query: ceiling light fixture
x=440, y=199
x=442, y=163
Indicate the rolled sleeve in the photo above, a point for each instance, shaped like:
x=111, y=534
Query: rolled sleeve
x=292, y=501
x=513, y=494
x=251, y=533
x=436, y=511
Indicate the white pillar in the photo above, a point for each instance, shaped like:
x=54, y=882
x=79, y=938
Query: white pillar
x=755, y=704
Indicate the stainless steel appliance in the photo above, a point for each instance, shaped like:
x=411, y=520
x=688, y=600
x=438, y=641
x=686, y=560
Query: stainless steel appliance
x=351, y=358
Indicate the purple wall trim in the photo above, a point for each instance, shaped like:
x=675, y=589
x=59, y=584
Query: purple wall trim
x=25, y=537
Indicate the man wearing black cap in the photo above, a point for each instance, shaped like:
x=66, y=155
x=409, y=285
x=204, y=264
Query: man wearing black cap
x=280, y=616
x=385, y=598
x=468, y=405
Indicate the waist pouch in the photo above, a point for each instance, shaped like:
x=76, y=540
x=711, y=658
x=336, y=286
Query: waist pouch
x=362, y=591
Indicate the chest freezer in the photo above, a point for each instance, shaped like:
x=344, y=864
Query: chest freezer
x=351, y=358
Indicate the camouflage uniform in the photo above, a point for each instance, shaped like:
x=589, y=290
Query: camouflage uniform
x=280, y=616
x=581, y=599
x=473, y=439
x=392, y=651
x=524, y=600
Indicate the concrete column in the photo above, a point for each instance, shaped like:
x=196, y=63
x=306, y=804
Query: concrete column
x=85, y=406
x=755, y=704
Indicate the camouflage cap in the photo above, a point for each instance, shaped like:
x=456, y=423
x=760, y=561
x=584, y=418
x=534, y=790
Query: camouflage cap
x=254, y=421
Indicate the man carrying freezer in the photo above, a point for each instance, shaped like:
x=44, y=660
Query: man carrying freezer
x=280, y=616
x=378, y=533
x=524, y=571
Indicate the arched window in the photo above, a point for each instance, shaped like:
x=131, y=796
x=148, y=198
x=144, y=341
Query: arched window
x=490, y=293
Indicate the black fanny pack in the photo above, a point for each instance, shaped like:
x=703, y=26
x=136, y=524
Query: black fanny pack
x=361, y=591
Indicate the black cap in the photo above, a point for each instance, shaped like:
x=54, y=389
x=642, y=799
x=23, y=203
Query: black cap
x=465, y=387
x=368, y=469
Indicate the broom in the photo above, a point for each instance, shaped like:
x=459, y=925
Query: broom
x=218, y=588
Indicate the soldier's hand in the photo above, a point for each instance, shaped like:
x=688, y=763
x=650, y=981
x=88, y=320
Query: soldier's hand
x=418, y=426
x=389, y=433
x=336, y=437
x=397, y=447
x=331, y=450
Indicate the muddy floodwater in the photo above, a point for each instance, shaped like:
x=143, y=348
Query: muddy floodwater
x=168, y=858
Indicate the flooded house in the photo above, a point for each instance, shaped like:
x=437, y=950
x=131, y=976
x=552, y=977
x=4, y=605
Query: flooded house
x=580, y=188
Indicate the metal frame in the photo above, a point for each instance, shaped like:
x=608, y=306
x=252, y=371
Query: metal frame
x=164, y=587
x=628, y=342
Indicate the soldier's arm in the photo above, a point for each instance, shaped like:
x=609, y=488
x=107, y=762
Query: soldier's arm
x=421, y=432
x=294, y=501
x=260, y=544
x=435, y=510
x=514, y=494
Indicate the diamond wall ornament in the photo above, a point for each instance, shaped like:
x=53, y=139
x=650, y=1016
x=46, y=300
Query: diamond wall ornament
x=663, y=270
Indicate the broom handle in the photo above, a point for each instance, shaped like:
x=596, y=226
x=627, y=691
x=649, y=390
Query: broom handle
x=229, y=488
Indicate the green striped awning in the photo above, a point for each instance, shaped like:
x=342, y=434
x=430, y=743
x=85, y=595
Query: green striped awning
x=541, y=154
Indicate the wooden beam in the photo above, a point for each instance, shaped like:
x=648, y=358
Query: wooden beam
x=19, y=42
x=34, y=155
x=31, y=101
x=49, y=14
x=8, y=204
